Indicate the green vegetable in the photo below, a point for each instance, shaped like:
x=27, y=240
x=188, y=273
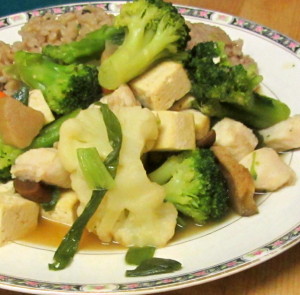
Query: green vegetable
x=136, y=255
x=69, y=245
x=50, y=133
x=194, y=184
x=100, y=179
x=93, y=169
x=65, y=87
x=22, y=95
x=90, y=47
x=49, y=206
x=154, y=29
x=114, y=134
x=8, y=155
x=154, y=266
x=223, y=90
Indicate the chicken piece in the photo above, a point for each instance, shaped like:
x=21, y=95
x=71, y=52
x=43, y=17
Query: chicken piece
x=284, y=135
x=65, y=209
x=18, y=216
x=41, y=165
x=161, y=86
x=37, y=102
x=268, y=170
x=240, y=182
x=121, y=97
x=176, y=131
x=238, y=139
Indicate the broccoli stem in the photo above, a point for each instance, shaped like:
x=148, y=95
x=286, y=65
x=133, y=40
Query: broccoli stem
x=90, y=47
x=262, y=113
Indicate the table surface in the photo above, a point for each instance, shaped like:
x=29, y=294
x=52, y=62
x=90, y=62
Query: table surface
x=280, y=275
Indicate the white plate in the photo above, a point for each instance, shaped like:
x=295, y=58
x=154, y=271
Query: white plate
x=218, y=251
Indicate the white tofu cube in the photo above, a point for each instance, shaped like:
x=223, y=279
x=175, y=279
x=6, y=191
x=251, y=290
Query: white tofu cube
x=202, y=123
x=161, y=86
x=268, y=170
x=18, y=216
x=37, y=101
x=176, y=131
x=65, y=209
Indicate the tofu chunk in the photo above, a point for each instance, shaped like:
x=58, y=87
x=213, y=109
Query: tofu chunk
x=121, y=97
x=65, y=209
x=236, y=137
x=41, y=164
x=37, y=102
x=268, y=170
x=284, y=135
x=161, y=86
x=176, y=131
x=202, y=123
x=18, y=216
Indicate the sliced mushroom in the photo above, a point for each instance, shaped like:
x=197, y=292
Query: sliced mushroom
x=34, y=191
x=240, y=182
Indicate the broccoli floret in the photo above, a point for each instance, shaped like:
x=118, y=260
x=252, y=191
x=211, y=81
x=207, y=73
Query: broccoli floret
x=65, y=87
x=88, y=48
x=153, y=30
x=195, y=184
x=8, y=154
x=225, y=90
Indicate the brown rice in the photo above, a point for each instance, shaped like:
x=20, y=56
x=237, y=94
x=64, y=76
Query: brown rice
x=50, y=29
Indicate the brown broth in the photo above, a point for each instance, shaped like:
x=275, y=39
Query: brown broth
x=50, y=234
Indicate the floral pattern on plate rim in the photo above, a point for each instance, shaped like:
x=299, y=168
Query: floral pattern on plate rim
x=252, y=257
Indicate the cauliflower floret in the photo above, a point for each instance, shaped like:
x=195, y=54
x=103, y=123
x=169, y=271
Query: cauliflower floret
x=133, y=212
x=41, y=164
x=268, y=170
x=238, y=139
x=284, y=135
x=87, y=129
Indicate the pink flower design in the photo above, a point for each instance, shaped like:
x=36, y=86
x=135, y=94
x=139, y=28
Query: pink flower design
x=166, y=281
x=2, y=277
x=200, y=273
x=182, y=10
x=31, y=283
x=278, y=243
x=276, y=37
x=292, y=45
x=78, y=7
x=2, y=24
x=57, y=10
x=100, y=5
x=66, y=287
x=132, y=286
x=231, y=263
x=203, y=13
x=259, y=29
x=240, y=22
x=35, y=13
x=258, y=252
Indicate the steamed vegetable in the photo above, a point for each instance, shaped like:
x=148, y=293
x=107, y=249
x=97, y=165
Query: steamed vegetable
x=65, y=87
x=194, y=184
x=222, y=90
x=154, y=29
x=88, y=48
